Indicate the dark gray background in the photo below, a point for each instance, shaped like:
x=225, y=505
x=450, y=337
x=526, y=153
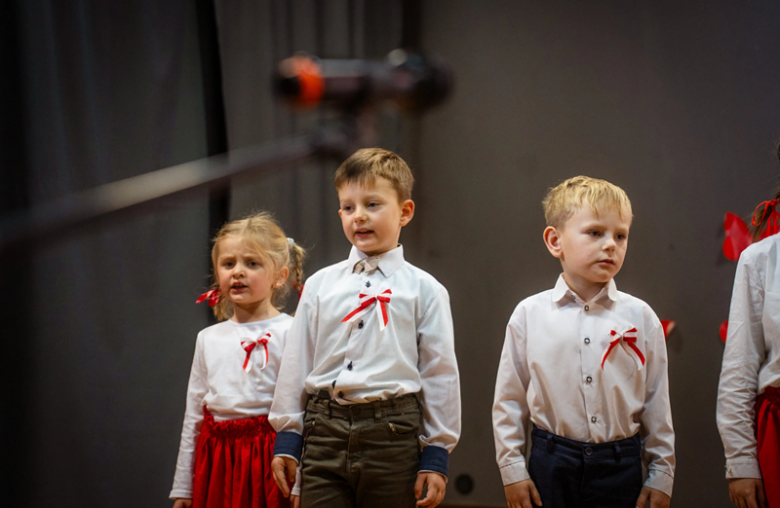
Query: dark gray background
x=676, y=102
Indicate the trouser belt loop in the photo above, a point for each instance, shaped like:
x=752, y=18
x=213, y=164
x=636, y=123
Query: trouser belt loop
x=377, y=411
x=550, y=442
x=617, y=451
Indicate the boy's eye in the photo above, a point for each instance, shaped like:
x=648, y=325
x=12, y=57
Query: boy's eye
x=594, y=233
x=372, y=204
x=621, y=237
x=347, y=208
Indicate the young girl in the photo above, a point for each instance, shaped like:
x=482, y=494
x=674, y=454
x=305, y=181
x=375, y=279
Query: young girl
x=749, y=393
x=226, y=442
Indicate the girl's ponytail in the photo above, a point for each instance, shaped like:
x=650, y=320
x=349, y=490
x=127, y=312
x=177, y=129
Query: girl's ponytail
x=297, y=255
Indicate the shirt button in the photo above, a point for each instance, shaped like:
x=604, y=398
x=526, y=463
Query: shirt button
x=341, y=394
x=360, y=325
x=587, y=340
x=368, y=284
x=349, y=367
x=587, y=308
x=587, y=379
x=588, y=451
x=592, y=418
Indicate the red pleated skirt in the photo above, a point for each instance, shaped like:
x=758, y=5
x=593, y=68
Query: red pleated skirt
x=768, y=443
x=233, y=465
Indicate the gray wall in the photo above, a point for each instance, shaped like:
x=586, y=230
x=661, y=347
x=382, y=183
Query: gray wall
x=676, y=102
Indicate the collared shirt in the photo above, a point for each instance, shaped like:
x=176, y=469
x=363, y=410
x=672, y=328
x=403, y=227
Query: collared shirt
x=219, y=382
x=751, y=359
x=550, y=374
x=357, y=361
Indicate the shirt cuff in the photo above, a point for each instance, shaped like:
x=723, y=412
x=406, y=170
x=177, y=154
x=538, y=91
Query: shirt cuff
x=289, y=444
x=176, y=494
x=513, y=473
x=436, y=459
x=743, y=467
x=660, y=480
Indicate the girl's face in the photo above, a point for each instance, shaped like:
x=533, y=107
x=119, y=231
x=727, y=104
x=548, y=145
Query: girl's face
x=246, y=277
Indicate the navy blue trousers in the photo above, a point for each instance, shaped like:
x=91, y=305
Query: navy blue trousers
x=571, y=474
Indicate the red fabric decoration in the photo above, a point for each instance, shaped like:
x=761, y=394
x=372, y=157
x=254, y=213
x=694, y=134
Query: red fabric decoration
x=629, y=340
x=738, y=237
x=668, y=327
x=769, y=216
x=768, y=442
x=212, y=296
x=299, y=288
x=366, y=300
x=249, y=346
x=233, y=465
x=724, y=330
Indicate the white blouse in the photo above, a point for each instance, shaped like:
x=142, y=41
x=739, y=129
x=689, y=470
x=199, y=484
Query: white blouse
x=551, y=375
x=360, y=360
x=219, y=382
x=751, y=359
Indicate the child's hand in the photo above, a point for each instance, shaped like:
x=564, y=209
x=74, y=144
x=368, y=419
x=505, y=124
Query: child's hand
x=657, y=498
x=295, y=501
x=284, y=473
x=182, y=502
x=520, y=495
x=747, y=493
x=437, y=486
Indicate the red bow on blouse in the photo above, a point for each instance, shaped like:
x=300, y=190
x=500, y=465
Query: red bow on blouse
x=212, y=296
x=628, y=341
x=249, y=346
x=366, y=300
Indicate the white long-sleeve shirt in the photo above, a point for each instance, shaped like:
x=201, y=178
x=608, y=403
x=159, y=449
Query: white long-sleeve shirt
x=751, y=359
x=550, y=374
x=357, y=361
x=219, y=382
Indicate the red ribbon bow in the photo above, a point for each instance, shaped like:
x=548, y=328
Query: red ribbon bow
x=366, y=300
x=770, y=215
x=628, y=341
x=249, y=346
x=212, y=296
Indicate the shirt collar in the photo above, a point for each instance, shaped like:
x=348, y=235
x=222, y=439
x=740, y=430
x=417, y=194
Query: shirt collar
x=562, y=290
x=389, y=261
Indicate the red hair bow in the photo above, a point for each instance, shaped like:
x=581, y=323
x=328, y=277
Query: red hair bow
x=212, y=296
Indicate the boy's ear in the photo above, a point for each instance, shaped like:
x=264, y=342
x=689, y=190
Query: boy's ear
x=552, y=239
x=407, y=212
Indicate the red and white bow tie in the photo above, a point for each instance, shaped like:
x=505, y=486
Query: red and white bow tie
x=368, y=299
x=249, y=346
x=628, y=341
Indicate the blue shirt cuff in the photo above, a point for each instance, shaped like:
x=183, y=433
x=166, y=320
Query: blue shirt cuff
x=434, y=458
x=290, y=444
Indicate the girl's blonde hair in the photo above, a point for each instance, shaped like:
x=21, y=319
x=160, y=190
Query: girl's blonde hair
x=266, y=237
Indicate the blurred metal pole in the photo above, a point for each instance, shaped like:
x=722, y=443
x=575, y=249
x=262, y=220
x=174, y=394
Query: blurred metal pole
x=48, y=221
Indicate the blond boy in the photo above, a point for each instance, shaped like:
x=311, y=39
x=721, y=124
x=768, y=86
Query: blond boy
x=369, y=378
x=584, y=369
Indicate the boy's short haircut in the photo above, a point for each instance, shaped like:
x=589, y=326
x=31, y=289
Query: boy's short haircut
x=562, y=201
x=365, y=165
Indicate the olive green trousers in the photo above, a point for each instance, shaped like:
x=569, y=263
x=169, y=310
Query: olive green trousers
x=360, y=455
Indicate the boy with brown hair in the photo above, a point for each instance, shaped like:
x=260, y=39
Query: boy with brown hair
x=586, y=366
x=369, y=375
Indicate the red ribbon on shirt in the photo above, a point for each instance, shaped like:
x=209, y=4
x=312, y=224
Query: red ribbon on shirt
x=366, y=300
x=212, y=296
x=249, y=346
x=628, y=341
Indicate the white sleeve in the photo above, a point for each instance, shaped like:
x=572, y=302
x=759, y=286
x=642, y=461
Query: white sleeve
x=743, y=356
x=656, y=418
x=510, y=406
x=193, y=419
x=290, y=397
x=439, y=379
